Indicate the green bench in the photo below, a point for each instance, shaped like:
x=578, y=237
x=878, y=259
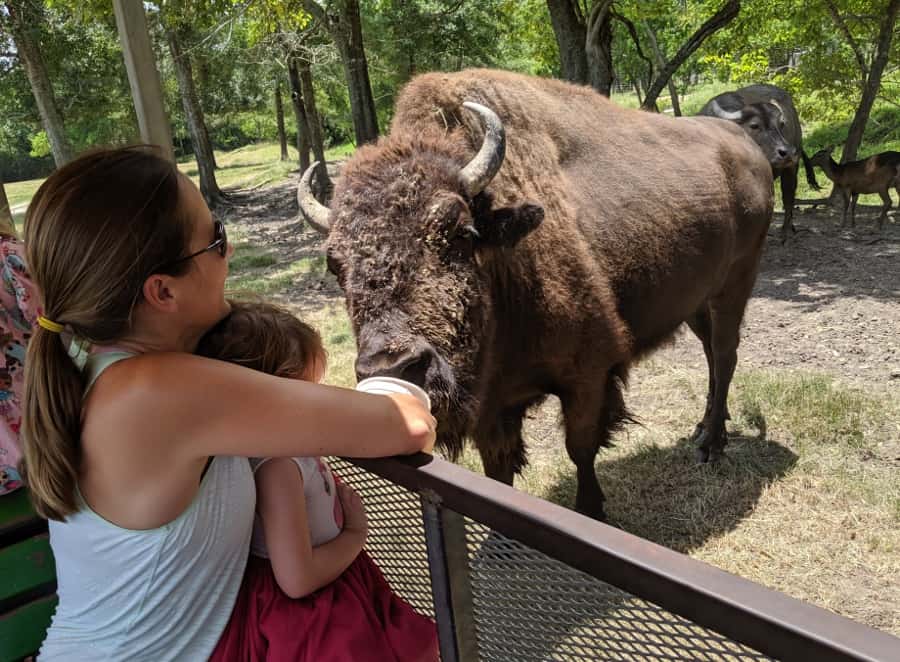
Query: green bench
x=27, y=578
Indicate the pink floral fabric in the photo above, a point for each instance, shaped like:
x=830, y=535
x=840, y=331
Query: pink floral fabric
x=19, y=308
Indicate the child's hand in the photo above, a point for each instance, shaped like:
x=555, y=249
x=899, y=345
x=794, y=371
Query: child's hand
x=354, y=511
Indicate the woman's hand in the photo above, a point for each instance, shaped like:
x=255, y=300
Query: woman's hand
x=354, y=510
x=421, y=424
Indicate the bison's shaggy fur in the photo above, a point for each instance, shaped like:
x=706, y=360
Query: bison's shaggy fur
x=604, y=230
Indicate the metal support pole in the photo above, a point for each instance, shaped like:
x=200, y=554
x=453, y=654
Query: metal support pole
x=440, y=578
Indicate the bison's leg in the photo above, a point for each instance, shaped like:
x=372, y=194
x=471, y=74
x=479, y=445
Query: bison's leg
x=725, y=336
x=502, y=448
x=701, y=325
x=591, y=413
x=788, y=193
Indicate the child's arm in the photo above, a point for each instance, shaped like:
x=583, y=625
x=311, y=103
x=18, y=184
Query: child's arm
x=300, y=568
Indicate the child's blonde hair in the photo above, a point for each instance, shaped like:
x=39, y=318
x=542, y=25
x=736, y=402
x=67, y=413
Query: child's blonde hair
x=267, y=338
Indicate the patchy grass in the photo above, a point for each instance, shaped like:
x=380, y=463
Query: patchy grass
x=272, y=276
x=20, y=193
x=256, y=165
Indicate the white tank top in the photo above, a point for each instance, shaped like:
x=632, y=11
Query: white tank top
x=156, y=594
x=324, y=513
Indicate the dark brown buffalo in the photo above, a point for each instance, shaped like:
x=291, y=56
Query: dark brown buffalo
x=767, y=113
x=495, y=281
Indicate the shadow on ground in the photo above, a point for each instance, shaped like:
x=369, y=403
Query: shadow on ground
x=662, y=493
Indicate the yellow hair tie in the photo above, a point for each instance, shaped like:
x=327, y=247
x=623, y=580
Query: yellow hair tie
x=50, y=325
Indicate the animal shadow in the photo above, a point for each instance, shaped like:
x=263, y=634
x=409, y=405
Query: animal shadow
x=664, y=495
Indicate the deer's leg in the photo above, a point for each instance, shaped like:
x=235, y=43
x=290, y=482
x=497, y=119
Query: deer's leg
x=853, y=198
x=886, y=198
x=845, y=205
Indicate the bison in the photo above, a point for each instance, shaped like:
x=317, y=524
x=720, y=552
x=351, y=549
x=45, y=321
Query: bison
x=767, y=113
x=515, y=237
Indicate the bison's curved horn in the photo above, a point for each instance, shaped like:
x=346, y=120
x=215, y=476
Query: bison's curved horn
x=315, y=213
x=479, y=172
x=733, y=115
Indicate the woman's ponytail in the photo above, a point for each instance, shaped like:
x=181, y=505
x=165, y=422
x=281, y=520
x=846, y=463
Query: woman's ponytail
x=51, y=425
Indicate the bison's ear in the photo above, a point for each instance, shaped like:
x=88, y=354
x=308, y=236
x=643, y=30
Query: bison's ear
x=508, y=225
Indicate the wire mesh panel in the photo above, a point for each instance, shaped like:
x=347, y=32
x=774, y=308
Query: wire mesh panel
x=529, y=606
x=396, y=535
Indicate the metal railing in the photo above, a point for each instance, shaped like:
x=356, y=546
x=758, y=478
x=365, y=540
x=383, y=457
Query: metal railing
x=511, y=577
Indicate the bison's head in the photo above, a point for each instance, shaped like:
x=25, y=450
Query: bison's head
x=764, y=122
x=412, y=236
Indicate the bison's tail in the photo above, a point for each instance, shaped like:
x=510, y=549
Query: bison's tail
x=615, y=413
x=810, y=173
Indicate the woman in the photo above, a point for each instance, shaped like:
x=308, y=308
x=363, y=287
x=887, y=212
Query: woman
x=134, y=448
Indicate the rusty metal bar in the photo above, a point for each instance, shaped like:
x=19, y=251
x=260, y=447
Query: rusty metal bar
x=746, y=612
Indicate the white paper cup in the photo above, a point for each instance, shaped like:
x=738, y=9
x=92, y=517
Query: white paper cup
x=386, y=385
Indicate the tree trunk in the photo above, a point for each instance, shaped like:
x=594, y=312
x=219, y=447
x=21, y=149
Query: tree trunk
x=279, y=118
x=345, y=27
x=718, y=21
x=24, y=24
x=194, y=116
x=7, y=227
x=299, y=114
x=873, y=83
x=322, y=186
x=637, y=89
x=598, y=47
x=661, y=62
x=568, y=26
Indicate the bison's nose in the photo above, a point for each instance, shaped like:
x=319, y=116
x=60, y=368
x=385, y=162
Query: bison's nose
x=411, y=365
x=786, y=152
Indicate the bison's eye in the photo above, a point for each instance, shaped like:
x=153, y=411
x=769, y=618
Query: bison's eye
x=461, y=243
x=754, y=126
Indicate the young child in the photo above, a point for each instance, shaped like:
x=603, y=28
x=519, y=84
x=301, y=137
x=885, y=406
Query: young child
x=318, y=594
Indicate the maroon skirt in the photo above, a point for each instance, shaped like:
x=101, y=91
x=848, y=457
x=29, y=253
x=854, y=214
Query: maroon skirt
x=357, y=617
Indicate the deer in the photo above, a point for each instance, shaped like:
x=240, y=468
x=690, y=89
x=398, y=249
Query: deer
x=875, y=174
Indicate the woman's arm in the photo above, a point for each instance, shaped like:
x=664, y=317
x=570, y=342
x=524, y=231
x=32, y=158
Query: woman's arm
x=300, y=568
x=198, y=407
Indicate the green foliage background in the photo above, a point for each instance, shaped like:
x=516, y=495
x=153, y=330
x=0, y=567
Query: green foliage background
x=237, y=54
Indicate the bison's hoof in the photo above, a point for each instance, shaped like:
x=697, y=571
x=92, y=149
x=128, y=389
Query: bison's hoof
x=709, y=454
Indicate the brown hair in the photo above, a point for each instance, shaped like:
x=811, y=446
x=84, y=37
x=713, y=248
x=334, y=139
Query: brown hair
x=266, y=338
x=95, y=230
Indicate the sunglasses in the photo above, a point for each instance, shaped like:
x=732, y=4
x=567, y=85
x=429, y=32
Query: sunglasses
x=219, y=243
